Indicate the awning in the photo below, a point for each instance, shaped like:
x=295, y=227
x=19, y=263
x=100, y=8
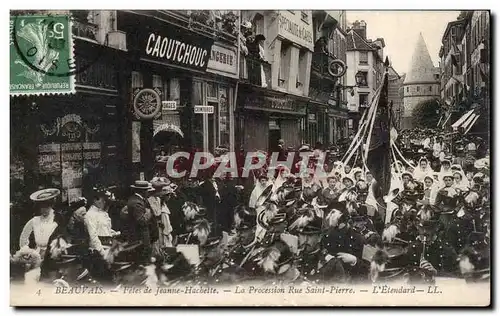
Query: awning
x=466, y=121
x=168, y=127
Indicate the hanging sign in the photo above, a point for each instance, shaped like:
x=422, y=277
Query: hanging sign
x=147, y=104
x=169, y=105
x=203, y=109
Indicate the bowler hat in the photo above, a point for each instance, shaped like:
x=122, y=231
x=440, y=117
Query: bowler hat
x=45, y=195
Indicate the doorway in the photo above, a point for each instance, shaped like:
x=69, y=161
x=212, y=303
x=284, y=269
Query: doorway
x=274, y=135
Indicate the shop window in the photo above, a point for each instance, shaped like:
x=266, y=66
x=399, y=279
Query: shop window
x=69, y=153
x=137, y=80
x=363, y=58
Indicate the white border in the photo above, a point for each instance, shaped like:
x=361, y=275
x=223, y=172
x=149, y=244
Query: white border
x=192, y=4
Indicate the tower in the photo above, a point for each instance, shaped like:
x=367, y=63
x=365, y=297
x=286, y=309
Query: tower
x=421, y=82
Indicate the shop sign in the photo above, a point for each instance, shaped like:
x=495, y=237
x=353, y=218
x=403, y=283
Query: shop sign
x=173, y=45
x=274, y=103
x=147, y=104
x=292, y=27
x=223, y=61
x=98, y=74
x=169, y=105
x=203, y=109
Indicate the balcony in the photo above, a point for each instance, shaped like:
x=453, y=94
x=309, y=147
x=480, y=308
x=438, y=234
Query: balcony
x=319, y=64
x=220, y=24
x=252, y=70
x=82, y=28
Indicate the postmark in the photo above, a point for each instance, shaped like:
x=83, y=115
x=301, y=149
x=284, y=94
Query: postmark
x=41, y=55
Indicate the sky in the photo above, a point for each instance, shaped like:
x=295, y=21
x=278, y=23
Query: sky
x=400, y=31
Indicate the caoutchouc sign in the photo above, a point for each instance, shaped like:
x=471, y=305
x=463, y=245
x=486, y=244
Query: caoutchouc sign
x=176, y=46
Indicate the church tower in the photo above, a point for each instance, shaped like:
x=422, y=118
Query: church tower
x=421, y=82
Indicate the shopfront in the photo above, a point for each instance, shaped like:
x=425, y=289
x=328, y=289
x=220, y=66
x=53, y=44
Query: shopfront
x=182, y=70
x=71, y=142
x=267, y=116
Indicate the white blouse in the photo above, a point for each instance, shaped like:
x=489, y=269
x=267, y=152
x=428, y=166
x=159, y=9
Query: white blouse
x=42, y=227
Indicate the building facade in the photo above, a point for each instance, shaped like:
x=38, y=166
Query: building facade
x=327, y=110
x=365, y=57
x=187, y=62
x=422, y=82
x=275, y=109
x=452, y=78
x=394, y=88
x=74, y=141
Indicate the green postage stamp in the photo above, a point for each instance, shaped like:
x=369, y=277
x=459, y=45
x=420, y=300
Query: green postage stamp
x=41, y=55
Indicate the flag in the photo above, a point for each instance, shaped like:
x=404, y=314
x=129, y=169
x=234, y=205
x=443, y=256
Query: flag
x=378, y=157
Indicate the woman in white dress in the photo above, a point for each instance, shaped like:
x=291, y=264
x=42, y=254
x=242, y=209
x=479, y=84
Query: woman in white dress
x=37, y=232
x=422, y=170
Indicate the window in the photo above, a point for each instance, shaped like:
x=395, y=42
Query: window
x=301, y=77
x=364, y=80
x=304, y=16
x=284, y=64
x=363, y=58
x=418, y=89
x=430, y=88
x=258, y=24
x=363, y=100
x=407, y=89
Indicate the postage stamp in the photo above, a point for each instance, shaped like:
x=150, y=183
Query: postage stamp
x=41, y=55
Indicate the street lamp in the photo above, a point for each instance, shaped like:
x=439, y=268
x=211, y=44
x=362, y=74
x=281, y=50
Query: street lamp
x=360, y=79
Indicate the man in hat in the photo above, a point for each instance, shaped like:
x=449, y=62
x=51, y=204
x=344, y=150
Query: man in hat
x=342, y=241
x=211, y=197
x=98, y=222
x=431, y=253
x=160, y=210
x=312, y=262
x=143, y=225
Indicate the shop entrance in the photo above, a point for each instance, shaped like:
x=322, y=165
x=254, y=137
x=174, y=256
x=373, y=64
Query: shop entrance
x=274, y=135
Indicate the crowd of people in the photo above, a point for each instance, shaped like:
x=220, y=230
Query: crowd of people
x=279, y=226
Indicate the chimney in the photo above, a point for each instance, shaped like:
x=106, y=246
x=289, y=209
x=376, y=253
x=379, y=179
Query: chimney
x=360, y=28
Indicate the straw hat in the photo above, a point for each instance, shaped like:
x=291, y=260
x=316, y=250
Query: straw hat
x=45, y=195
x=142, y=185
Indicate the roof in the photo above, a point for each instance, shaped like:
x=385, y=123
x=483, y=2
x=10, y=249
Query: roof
x=421, y=68
x=356, y=42
x=450, y=25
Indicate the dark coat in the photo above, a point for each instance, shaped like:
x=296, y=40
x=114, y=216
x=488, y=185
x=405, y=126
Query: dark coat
x=209, y=199
x=229, y=201
x=439, y=253
x=142, y=226
x=349, y=241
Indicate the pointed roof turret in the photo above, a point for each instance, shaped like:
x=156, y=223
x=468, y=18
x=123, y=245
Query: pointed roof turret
x=422, y=68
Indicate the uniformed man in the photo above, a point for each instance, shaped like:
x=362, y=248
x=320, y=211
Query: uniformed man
x=345, y=243
x=431, y=254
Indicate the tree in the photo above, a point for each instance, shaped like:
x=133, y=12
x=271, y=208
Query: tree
x=426, y=114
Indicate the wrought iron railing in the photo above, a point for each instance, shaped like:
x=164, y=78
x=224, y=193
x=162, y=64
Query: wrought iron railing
x=85, y=30
x=255, y=71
